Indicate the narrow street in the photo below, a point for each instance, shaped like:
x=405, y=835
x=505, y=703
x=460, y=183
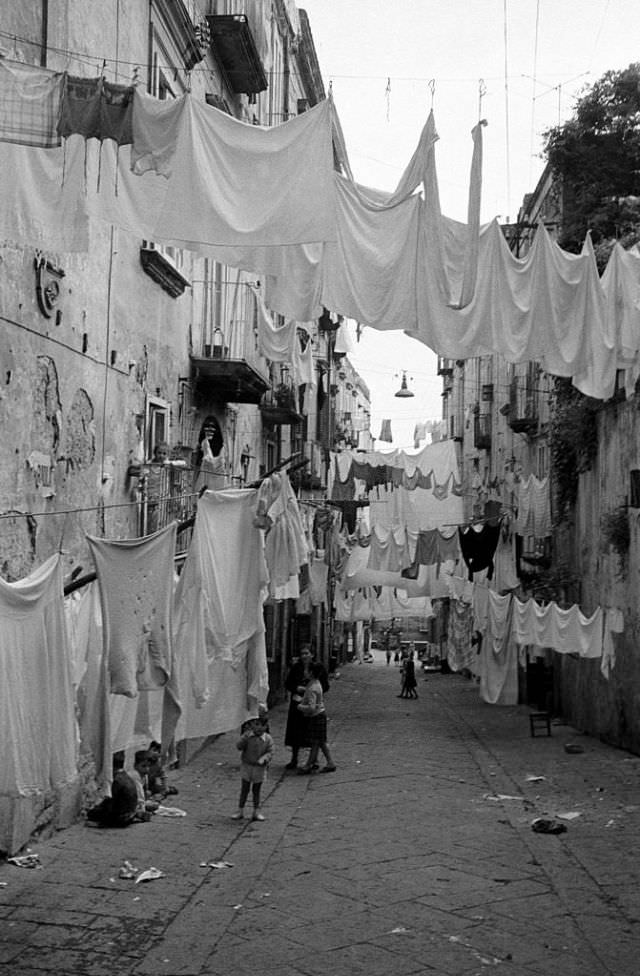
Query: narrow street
x=416, y=856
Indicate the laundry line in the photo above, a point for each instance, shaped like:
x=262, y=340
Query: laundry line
x=188, y=523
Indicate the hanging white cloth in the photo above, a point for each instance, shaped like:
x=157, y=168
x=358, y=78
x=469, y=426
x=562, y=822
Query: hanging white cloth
x=136, y=590
x=233, y=183
x=38, y=732
x=499, y=656
x=218, y=625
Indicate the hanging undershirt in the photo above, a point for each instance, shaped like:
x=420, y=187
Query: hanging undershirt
x=478, y=547
x=460, y=652
x=136, y=590
x=96, y=109
x=432, y=549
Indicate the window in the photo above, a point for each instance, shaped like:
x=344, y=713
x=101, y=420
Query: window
x=157, y=423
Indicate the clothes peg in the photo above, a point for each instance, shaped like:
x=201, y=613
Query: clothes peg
x=482, y=91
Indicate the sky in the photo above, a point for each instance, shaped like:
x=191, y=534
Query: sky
x=519, y=64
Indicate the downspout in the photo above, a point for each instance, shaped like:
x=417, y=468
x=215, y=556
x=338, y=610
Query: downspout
x=44, y=35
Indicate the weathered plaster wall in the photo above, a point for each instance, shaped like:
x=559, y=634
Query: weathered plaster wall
x=607, y=708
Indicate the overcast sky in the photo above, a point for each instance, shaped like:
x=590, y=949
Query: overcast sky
x=380, y=57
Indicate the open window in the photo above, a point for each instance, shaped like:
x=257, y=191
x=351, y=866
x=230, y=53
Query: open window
x=157, y=423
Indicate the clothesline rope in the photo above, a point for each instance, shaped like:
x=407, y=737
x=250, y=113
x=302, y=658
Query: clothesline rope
x=97, y=508
x=101, y=63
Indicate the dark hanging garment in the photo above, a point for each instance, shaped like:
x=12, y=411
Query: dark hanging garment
x=96, y=109
x=634, y=496
x=478, y=548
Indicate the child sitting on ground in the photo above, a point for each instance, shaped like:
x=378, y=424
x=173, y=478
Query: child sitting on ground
x=256, y=746
x=157, y=786
x=144, y=806
x=119, y=809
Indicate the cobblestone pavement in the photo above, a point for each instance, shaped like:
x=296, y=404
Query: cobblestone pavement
x=416, y=857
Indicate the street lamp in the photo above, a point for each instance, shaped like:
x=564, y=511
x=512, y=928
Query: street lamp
x=404, y=390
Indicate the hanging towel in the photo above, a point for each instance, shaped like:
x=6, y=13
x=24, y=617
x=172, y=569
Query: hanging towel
x=136, y=590
x=30, y=101
x=385, y=432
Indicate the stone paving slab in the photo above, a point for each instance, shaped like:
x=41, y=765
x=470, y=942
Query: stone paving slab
x=416, y=857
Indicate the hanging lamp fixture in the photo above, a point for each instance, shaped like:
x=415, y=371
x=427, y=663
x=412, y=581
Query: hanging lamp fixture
x=404, y=390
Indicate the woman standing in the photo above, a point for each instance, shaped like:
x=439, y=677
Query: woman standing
x=210, y=461
x=296, y=734
x=409, y=683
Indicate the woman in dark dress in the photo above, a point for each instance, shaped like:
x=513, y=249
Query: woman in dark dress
x=296, y=734
x=409, y=684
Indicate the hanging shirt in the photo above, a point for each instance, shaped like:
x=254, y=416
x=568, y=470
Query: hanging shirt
x=478, y=547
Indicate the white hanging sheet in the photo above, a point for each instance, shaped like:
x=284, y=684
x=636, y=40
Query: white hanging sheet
x=38, y=732
x=136, y=590
x=566, y=631
x=219, y=627
x=267, y=200
x=499, y=655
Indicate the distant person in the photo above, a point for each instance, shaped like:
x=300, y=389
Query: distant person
x=409, y=682
x=256, y=746
x=119, y=809
x=156, y=486
x=312, y=707
x=296, y=734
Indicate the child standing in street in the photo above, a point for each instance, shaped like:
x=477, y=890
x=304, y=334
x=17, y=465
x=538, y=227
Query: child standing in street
x=256, y=746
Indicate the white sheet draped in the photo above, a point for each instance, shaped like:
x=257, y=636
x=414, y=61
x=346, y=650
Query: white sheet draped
x=268, y=201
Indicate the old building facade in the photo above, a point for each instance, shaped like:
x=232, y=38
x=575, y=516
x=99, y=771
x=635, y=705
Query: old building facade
x=510, y=422
x=109, y=353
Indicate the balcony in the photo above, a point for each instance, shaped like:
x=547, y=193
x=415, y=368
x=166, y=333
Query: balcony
x=482, y=431
x=523, y=407
x=234, y=47
x=158, y=262
x=279, y=406
x=231, y=373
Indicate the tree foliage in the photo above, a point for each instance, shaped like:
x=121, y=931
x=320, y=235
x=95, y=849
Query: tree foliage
x=596, y=157
x=573, y=440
